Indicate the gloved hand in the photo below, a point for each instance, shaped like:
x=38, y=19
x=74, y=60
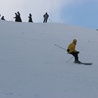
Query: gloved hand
x=68, y=50
x=78, y=52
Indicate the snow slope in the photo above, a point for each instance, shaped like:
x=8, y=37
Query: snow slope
x=31, y=66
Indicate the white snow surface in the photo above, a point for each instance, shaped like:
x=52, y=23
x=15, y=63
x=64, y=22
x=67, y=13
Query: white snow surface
x=31, y=66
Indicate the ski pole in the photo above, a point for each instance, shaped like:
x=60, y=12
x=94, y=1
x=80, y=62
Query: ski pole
x=69, y=60
x=60, y=47
x=50, y=20
x=63, y=49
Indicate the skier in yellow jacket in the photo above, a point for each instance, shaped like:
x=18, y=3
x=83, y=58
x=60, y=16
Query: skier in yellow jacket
x=71, y=50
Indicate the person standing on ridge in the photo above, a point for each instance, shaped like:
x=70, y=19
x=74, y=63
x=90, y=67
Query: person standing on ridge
x=45, y=17
x=30, y=18
x=19, y=17
x=71, y=50
x=16, y=17
x=2, y=18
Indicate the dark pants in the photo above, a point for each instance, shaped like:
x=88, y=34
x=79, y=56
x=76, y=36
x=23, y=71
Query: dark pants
x=75, y=54
x=45, y=20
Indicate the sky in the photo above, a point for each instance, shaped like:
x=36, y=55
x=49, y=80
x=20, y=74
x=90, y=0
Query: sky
x=73, y=12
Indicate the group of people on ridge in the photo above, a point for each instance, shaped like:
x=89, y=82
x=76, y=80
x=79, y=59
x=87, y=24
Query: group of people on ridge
x=18, y=17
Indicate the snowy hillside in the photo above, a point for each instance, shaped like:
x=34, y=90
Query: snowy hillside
x=31, y=66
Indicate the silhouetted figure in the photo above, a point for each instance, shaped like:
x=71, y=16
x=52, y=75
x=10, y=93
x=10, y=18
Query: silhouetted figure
x=2, y=18
x=45, y=17
x=30, y=18
x=17, y=17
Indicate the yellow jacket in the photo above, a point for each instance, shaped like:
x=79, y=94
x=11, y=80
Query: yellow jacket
x=72, y=47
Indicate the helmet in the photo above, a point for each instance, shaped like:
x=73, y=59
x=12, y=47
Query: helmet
x=75, y=40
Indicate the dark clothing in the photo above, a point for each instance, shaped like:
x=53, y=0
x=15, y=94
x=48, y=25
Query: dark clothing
x=30, y=18
x=17, y=17
x=45, y=17
x=2, y=18
x=75, y=54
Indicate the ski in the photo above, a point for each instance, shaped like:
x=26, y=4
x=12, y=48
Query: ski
x=84, y=63
x=87, y=63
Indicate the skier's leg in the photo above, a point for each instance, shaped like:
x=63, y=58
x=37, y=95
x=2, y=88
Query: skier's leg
x=75, y=54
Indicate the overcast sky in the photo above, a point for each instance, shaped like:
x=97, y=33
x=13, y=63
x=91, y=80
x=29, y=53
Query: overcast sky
x=73, y=12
